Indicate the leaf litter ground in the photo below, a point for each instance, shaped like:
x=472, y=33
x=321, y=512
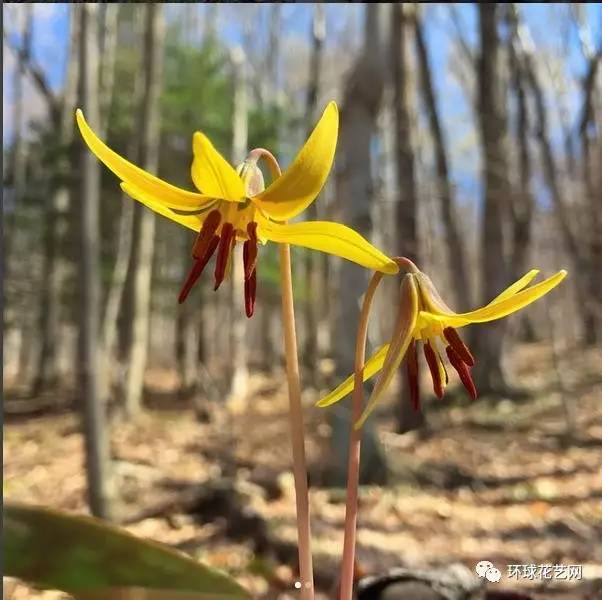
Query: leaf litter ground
x=503, y=482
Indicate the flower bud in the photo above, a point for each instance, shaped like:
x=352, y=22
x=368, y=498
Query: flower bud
x=252, y=177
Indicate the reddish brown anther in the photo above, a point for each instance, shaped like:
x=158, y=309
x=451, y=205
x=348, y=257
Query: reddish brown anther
x=463, y=372
x=412, y=369
x=455, y=341
x=252, y=231
x=433, y=363
x=250, y=250
x=223, y=253
x=197, y=268
x=250, y=293
x=205, y=237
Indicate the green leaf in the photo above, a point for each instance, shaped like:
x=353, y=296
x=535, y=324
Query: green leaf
x=86, y=557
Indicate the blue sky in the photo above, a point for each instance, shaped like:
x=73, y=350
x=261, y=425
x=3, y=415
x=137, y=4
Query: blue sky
x=546, y=23
x=51, y=30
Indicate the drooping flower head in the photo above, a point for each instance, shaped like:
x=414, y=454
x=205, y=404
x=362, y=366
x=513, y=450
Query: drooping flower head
x=423, y=317
x=232, y=205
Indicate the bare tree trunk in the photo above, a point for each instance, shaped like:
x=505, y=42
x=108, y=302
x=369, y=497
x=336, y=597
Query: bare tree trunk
x=359, y=112
x=238, y=356
x=19, y=142
x=272, y=83
x=108, y=53
x=98, y=467
x=576, y=248
x=548, y=162
x=455, y=247
x=522, y=205
x=25, y=64
x=407, y=196
x=559, y=353
x=314, y=263
x=116, y=288
x=591, y=147
x=141, y=260
x=191, y=22
x=268, y=357
x=522, y=202
x=56, y=215
x=488, y=373
x=119, y=276
x=407, y=200
x=189, y=340
x=210, y=29
x=19, y=148
x=187, y=343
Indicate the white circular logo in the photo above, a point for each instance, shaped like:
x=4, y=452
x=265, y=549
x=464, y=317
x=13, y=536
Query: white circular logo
x=486, y=569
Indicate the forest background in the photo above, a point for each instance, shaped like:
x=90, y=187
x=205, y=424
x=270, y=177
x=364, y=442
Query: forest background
x=470, y=142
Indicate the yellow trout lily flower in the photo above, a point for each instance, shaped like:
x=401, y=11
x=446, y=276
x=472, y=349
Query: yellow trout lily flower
x=424, y=317
x=232, y=204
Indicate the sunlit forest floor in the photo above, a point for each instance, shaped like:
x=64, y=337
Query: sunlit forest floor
x=502, y=482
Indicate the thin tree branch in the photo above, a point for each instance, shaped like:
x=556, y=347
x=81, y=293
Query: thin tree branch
x=39, y=78
x=589, y=85
x=467, y=51
x=583, y=31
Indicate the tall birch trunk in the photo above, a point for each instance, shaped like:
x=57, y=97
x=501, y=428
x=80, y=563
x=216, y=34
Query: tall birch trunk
x=188, y=318
x=143, y=236
x=238, y=356
x=272, y=86
x=98, y=468
x=56, y=217
x=117, y=285
x=211, y=19
x=19, y=142
x=19, y=163
x=108, y=54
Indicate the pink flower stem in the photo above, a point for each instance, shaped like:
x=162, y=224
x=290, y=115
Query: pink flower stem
x=355, y=437
x=295, y=408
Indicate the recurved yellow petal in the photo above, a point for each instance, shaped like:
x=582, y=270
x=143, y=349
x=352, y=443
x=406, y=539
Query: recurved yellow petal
x=193, y=222
x=332, y=238
x=299, y=185
x=212, y=173
x=402, y=336
x=154, y=188
x=517, y=286
x=373, y=365
x=501, y=308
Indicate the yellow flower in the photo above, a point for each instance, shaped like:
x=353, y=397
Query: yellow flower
x=233, y=206
x=424, y=316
